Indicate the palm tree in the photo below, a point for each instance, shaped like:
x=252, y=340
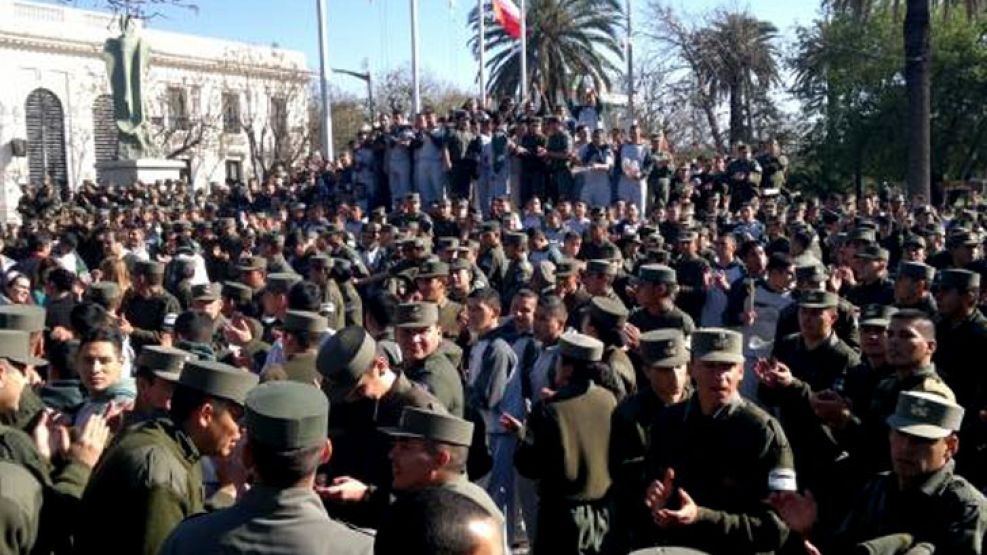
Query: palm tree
x=739, y=59
x=567, y=40
x=918, y=55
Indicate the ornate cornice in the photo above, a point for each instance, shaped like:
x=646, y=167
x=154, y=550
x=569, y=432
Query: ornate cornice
x=86, y=49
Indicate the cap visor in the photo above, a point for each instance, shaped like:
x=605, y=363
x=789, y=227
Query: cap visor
x=670, y=362
x=918, y=429
x=722, y=357
x=399, y=432
x=816, y=305
x=415, y=324
x=166, y=375
x=877, y=322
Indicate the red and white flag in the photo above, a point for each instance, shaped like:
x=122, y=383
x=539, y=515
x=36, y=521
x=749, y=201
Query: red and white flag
x=508, y=16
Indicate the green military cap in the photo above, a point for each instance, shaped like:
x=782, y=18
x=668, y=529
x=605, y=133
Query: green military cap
x=717, y=345
x=914, y=241
x=164, y=362
x=818, y=299
x=23, y=317
x=460, y=264
x=876, y=315
x=665, y=348
x=961, y=280
x=217, y=380
x=103, y=292
x=433, y=425
x=657, y=273
x=686, y=235
x=926, y=415
x=281, y=282
x=286, y=416
x=609, y=251
x=15, y=345
x=514, y=238
x=961, y=237
x=149, y=268
x=303, y=321
x=566, y=267
x=345, y=356
x=207, y=292
x=810, y=272
x=545, y=269
x=320, y=261
x=416, y=315
x=873, y=252
x=600, y=266
x=415, y=241
x=447, y=243
x=489, y=225
x=916, y=270
x=413, y=197
x=252, y=263
x=237, y=291
x=433, y=268
x=608, y=312
x=862, y=234
x=580, y=347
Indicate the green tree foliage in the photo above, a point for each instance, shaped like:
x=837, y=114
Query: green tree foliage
x=567, y=40
x=848, y=75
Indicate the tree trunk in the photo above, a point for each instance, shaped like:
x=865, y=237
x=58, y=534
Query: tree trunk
x=917, y=58
x=736, y=113
x=708, y=107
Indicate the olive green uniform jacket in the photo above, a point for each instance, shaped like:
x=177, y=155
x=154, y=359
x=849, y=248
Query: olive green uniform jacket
x=723, y=462
x=145, y=484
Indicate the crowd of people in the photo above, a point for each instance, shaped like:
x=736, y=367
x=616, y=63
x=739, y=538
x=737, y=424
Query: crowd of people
x=477, y=338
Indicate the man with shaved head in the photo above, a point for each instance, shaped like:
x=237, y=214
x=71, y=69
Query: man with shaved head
x=911, y=342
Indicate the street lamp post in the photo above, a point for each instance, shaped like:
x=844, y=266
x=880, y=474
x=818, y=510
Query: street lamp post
x=326, y=134
x=369, y=79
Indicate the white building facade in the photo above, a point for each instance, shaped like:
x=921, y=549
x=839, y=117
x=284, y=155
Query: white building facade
x=228, y=110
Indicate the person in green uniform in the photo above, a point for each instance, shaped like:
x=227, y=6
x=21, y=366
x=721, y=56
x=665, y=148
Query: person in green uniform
x=565, y=444
x=655, y=296
x=921, y=506
x=432, y=282
x=147, y=305
x=492, y=260
x=460, y=164
x=156, y=372
x=342, y=274
x=605, y=321
x=714, y=459
x=332, y=298
x=151, y=478
x=558, y=159
x=60, y=474
x=286, y=440
x=664, y=356
x=302, y=333
x=418, y=334
x=252, y=272
x=367, y=393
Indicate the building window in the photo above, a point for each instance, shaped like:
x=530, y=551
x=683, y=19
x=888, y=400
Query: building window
x=279, y=115
x=231, y=112
x=178, y=108
x=234, y=171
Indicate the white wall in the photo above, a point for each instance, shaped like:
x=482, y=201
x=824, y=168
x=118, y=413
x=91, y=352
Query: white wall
x=59, y=48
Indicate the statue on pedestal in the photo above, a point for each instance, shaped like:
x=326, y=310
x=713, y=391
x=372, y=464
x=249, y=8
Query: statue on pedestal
x=127, y=58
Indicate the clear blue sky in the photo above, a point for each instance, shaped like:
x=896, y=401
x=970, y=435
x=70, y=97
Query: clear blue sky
x=377, y=32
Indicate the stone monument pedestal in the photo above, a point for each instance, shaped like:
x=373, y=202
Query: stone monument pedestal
x=145, y=170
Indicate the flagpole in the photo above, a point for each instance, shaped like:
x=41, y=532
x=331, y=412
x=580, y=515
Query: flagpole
x=524, y=53
x=326, y=134
x=415, y=84
x=630, y=63
x=483, y=54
